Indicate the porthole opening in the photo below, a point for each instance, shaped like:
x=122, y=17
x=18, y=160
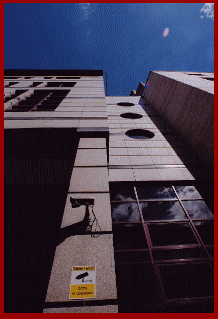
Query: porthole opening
x=125, y=104
x=131, y=115
x=140, y=134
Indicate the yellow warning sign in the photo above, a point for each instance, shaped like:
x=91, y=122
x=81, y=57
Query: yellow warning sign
x=83, y=268
x=83, y=279
x=84, y=291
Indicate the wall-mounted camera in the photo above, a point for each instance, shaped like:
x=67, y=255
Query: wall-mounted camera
x=77, y=202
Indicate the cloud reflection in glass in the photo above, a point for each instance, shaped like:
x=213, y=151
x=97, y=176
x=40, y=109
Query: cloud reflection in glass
x=162, y=211
x=187, y=192
x=197, y=209
x=125, y=212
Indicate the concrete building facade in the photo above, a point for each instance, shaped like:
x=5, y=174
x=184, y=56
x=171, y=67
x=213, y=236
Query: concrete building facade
x=186, y=101
x=72, y=151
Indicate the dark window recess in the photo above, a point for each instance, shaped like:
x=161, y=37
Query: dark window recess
x=184, y=253
x=129, y=236
x=133, y=256
x=210, y=250
x=30, y=102
x=34, y=84
x=125, y=104
x=162, y=211
x=61, y=84
x=12, y=96
x=136, y=287
x=196, y=306
x=125, y=212
x=41, y=100
x=187, y=280
x=48, y=77
x=131, y=116
x=155, y=193
x=209, y=79
x=194, y=74
x=197, y=209
x=171, y=234
x=11, y=84
x=206, y=231
x=28, y=77
x=68, y=77
x=139, y=134
x=51, y=101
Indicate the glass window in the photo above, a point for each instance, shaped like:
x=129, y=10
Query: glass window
x=162, y=211
x=206, y=231
x=136, y=287
x=155, y=193
x=187, y=280
x=184, y=253
x=171, y=234
x=129, y=236
x=197, y=209
x=210, y=250
x=122, y=193
x=125, y=212
x=187, y=192
x=184, y=264
x=132, y=256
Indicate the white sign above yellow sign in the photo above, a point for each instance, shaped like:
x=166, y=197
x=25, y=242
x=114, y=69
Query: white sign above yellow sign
x=83, y=280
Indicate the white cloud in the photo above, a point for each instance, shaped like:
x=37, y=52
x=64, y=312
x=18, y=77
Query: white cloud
x=86, y=9
x=208, y=10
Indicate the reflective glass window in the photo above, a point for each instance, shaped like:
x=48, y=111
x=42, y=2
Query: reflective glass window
x=171, y=234
x=197, y=209
x=184, y=253
x=132, y=256
x=187, y=192
x=206, y=231
x=210, y=250
x=162, y=211
x=125, y=212
x=155, y=193
x=122, y=193
x=129, y=236
x=187, y=280
x=136, y=287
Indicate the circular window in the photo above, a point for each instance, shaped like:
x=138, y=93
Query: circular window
x=125, y=104
x=140, y=134
x=131, y=115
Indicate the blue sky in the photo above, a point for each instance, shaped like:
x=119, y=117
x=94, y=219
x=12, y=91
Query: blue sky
x=123, y=39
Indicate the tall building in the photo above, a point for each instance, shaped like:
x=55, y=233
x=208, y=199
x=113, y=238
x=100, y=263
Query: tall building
x=108, y=200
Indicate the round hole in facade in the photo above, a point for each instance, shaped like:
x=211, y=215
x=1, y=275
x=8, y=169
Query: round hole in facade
x=125, y=104
x=131, y=115
x=140, y=134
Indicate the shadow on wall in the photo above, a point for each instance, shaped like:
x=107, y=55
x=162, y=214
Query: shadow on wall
x=192, y=160
x=38, y=166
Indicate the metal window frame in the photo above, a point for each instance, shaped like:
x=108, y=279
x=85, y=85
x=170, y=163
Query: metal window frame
x=155, y=263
